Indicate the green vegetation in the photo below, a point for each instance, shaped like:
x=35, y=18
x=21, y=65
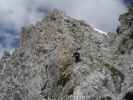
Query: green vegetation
x=73, y=27
x=27, y=29
x=115, y=73
x=64, y=78
x=106, y=98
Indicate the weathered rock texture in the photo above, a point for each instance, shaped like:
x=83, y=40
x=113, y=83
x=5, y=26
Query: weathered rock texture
x=61, y=57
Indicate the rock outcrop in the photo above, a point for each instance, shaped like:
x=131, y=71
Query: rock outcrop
x=64, y=58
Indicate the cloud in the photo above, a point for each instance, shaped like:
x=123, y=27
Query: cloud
x=102, y=14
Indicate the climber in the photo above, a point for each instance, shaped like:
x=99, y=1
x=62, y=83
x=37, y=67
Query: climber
x=76, y=55
x=130, y=24
x=118, y=30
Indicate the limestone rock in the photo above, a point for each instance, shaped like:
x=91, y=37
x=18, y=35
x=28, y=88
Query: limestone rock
x=61, y=57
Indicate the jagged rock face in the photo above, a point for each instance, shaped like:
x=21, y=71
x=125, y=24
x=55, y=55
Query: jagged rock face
x=64, y=57
x=125, y=32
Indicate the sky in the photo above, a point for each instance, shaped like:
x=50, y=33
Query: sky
x=14, y=14
x=128, y=1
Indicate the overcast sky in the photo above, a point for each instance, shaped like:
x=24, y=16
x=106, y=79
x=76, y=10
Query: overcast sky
x=14, y=14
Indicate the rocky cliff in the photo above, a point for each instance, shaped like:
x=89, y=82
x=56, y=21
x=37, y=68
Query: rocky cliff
x=64, y=58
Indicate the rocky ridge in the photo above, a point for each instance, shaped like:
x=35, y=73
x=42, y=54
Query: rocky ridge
x=61, y=57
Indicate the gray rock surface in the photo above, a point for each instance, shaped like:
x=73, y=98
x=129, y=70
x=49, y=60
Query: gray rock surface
x=61, y=57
